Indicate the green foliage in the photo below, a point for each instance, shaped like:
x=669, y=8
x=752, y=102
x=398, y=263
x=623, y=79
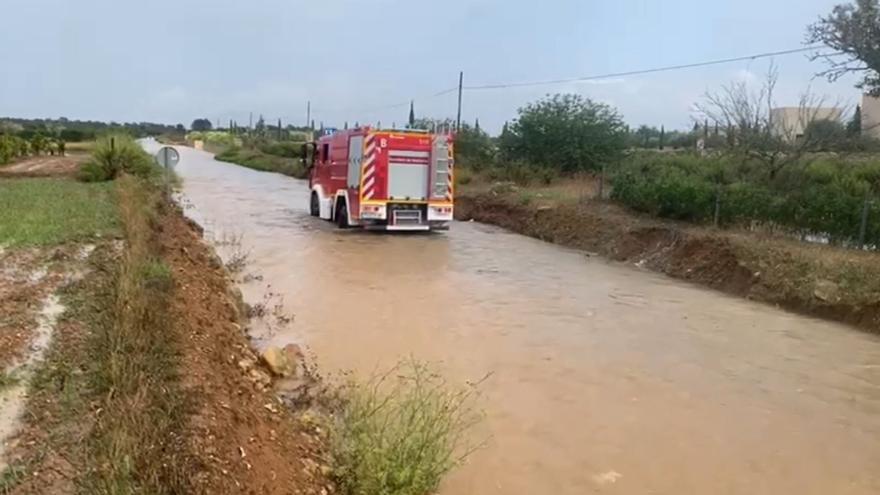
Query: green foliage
x=850, y=31
x=156, y=274
x=39, y=144
x=566, y=132
x=115, y=154
x=821, y=195
x=286, y=149
x=52, y=211
x=258, y=160
x=200, y=125
x=671, y=187
x=522, y=173
x=219, y=138
x=473, y=147
x=12, y=147
x=7, y=380
x=80, y=130
x=400, y=433
x=826, y=135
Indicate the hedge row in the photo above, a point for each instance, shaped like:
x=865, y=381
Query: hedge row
x=823, y=196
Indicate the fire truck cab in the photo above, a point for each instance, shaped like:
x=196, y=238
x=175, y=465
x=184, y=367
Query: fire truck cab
x=381, y=179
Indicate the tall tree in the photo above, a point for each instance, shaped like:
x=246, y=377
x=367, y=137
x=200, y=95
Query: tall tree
x=662, y=136
x=412, y=114
x=567, y=132
x=854, y=126
x=852, y=31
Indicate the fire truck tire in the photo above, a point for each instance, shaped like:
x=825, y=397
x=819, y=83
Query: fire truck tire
x=314, y=206
x=341, y=214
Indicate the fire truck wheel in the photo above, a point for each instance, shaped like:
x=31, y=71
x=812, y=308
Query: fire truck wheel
x=341, y=215
x=314, y=208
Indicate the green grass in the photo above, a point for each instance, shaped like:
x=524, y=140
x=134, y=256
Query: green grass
x=40, y=212
x=7, y=380
x=135, y=447
x=401, y=432
x=265, y=162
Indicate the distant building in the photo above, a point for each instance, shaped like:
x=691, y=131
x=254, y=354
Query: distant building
x=790, y=123
x=871, y=116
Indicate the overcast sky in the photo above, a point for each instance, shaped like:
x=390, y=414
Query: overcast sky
x=174, y=60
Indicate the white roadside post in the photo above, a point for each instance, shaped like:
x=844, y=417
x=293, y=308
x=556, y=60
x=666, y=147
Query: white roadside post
x=167, y=158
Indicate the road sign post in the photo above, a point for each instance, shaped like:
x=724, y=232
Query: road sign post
x=167, y=158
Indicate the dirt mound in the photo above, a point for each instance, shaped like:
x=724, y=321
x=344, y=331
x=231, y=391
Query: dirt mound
x=247, y=441
x=770, y=272
x=44, y=166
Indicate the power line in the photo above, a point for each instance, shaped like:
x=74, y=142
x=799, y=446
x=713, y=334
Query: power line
x=643, y=71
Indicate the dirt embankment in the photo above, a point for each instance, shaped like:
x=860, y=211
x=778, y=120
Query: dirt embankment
x=230, y=434
x=247, y=441
x=816, y=280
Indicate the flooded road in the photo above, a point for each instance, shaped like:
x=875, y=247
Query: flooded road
x=605, y=378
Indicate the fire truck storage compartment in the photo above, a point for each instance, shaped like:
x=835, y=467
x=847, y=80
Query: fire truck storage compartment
x=355, y=158
x=408, y=174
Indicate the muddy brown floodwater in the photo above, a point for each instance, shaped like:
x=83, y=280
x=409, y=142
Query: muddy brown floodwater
x=606, y=378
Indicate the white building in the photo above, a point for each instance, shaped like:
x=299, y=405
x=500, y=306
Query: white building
x=871, y=116
x=791, y=122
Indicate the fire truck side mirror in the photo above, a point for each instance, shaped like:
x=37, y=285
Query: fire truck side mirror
x=308, y=156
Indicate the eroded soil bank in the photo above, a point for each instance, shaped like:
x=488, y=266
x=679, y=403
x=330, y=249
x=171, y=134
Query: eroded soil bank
x=228, y=432
x=822, y=281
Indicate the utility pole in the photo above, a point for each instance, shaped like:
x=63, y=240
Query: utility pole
x=279, y=128
x=251, y=121
x=460, y=87
x=309, y=114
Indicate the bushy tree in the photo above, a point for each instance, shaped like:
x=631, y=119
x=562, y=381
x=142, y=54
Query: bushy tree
x=473, y=147
x=201, y=125
x=566, y=132
x=852, y=31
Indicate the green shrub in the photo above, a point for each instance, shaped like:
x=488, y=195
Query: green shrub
x=822, y=195
x=400, y=433
x=258, y=160
x=91, y=171
x=12, y=147
x=287, y=149
x=115, y=154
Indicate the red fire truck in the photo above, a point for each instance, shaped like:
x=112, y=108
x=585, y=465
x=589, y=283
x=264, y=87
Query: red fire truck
x=381, y=179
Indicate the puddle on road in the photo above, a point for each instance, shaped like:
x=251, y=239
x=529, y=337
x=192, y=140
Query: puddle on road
x=605, y=378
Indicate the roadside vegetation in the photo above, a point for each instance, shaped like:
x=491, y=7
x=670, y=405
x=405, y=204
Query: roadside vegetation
x=266, y=148
x=400, y=432
x=114, y=408
x=788, y=206
x=22, y=138
x=115, y=154
x=134, y=376
x=259, y=158
x=47, y=211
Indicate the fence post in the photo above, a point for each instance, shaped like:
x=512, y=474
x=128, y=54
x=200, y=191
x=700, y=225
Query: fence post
x=717, y=217
x=863, y=230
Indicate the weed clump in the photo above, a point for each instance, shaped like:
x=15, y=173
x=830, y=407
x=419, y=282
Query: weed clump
x=115, y=154
x=401, y=432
